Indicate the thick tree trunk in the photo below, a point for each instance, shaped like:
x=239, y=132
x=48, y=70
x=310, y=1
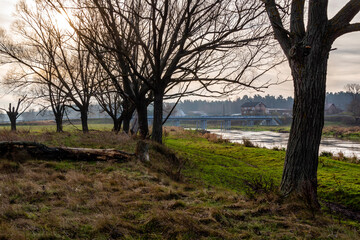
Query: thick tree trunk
x=126, y=115
x=117, y=124
x=301, y=161
x=158, y=114
x=141, y=109
x=13, y=123
x=59, y=122
x=84, y=121
x=126, y=124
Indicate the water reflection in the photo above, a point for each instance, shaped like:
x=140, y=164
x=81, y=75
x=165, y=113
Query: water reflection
x=273, y=139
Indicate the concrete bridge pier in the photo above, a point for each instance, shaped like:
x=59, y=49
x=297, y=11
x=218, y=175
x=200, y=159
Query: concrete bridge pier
x=177, y=123
x=203, y=124
x=227, y=124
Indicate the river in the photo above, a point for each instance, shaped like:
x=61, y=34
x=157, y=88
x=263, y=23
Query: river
x=273, y=139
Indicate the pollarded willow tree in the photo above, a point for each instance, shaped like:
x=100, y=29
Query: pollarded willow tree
x=307, y=50
x=15, y=111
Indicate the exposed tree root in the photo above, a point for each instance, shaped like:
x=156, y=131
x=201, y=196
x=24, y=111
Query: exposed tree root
x=343, y=211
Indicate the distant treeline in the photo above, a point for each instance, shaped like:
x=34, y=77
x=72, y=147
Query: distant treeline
x=227, y=107
x=198, y=107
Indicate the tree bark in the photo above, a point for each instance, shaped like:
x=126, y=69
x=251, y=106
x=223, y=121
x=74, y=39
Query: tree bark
x=301, y=161
x=59, y=122
x=126, y=115
x=84, y=121
x=117, y=123
x=141, y=109
x=13, y=123
x=158, y=114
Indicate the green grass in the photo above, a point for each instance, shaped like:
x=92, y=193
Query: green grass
x=282, y=129
x=232, y=165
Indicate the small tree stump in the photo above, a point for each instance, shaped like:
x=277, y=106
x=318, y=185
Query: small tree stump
x=142, y=151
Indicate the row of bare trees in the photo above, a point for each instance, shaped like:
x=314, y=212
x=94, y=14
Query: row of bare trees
x=52, y=65
x=129, y=54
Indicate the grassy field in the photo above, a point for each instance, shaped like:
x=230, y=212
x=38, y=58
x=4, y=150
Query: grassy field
x=212, y=190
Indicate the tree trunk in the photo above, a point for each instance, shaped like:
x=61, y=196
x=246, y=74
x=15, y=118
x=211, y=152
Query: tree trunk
x=143, y=119
x=301, y=161
x=117, y=124
x=158, y=114
x=84, y=121
x=59, y=120
x=13, y=123
x=126, y=115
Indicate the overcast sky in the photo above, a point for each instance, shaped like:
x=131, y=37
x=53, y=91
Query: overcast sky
x=344, y=63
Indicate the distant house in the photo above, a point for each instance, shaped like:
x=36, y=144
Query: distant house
x=330, y=109
x=250, y=108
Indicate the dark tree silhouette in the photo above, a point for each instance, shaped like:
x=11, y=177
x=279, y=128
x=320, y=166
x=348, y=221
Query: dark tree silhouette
x=307, y=50
x=14, y=112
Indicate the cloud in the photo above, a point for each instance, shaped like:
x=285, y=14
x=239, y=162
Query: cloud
x=6, y=12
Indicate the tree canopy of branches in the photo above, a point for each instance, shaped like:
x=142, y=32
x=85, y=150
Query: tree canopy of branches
x=110, y=101
x=307, y=50
x=163, y=44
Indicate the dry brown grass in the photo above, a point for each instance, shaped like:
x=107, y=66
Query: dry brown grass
x=338, y=131
x=54, y=200
x=211, y=137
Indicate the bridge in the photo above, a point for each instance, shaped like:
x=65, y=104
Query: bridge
x=225, y=121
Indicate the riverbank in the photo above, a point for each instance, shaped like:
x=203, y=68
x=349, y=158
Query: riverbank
x=200, y=187
x=330, y=130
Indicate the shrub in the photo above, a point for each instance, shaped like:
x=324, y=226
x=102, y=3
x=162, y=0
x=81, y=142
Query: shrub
x=259, y=184
x=211, y=137
x=248, y=143
x=326, y=154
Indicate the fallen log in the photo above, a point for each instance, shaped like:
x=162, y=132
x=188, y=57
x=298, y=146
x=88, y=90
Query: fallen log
x=12, y=150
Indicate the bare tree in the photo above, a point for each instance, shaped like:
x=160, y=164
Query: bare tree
x=55, y=99
x=110, y=101
x=353, y=89
x=78, y=77
x=307, y=50
x=14, y=112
